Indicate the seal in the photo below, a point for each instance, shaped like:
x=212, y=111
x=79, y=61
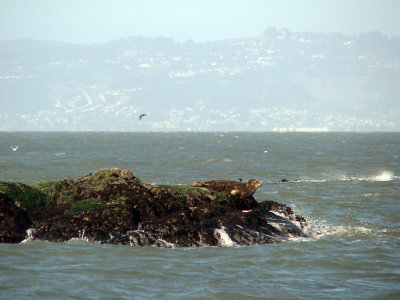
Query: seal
x=283, y=180
x=233, y=187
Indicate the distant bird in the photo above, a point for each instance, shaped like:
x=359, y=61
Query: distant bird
x=14, y=148
x=141, y=116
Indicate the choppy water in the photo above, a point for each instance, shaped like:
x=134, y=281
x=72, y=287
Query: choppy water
x=347, y=186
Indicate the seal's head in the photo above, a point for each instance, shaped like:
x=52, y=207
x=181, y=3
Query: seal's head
x=254, y=183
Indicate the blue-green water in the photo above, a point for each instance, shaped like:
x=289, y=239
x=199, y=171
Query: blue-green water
x=347, y=186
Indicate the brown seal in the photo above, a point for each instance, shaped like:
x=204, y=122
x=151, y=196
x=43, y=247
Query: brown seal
x=233, y=187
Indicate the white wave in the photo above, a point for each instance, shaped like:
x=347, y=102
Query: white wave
x=79, y=240
x=164, y=244
x=298, y=239
x=318, y=229
x=223, y=237
x=311, y=180
x=29, y=235
x=348, y=231
x=383, y=176
x=372, y=194
x=82, y=236
x=60, y=153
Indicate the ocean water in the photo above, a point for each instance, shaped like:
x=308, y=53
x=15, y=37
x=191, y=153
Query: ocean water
x=347, y=185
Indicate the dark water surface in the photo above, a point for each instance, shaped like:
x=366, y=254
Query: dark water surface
x=347, y=185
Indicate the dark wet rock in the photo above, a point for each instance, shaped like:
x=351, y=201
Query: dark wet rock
x=14, y=221
x=113, y=206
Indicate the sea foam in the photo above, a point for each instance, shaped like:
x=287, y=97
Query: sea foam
x=223, y=237
x=383, y=176
x=29, y=235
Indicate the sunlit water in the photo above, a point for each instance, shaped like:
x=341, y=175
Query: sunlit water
x=346, y=185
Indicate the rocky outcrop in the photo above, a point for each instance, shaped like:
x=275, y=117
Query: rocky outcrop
x=14, y=221
x=113, y=206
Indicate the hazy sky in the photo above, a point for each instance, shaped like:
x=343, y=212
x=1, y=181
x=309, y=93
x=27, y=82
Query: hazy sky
x=94, y=21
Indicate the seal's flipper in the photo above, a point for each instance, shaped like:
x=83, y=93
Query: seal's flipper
x=235, y=192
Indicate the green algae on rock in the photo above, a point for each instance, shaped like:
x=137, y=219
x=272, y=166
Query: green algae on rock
x=25, y=196
x=113, y=206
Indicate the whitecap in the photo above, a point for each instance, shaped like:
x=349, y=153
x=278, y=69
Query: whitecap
x=381, y=177
x=372, y=195
x=311, y=180
x=164, y=244
x=320, y=229
x=29, y=235
x=224, y=240
x=60, y=153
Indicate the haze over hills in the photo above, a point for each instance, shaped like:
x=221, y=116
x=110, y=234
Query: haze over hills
x=280, y=79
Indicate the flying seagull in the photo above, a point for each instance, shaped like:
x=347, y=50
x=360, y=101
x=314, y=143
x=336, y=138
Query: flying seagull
x=141, y=116
x=14, y=148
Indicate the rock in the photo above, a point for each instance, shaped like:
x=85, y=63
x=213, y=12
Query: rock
x=104, y=183
x=14, y=221
x=113, y=206
x=25, y=196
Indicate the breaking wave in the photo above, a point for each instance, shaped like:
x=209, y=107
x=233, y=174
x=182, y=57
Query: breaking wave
x=382, y=176
x=320, y=229
x=223, y=237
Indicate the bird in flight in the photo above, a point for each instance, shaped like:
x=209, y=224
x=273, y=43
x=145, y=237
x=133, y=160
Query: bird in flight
x=14, y=148
x=141, y=116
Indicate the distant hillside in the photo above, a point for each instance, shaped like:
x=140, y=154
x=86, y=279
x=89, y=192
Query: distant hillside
x=280, y=79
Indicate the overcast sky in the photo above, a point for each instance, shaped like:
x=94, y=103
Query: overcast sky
x=96, y=21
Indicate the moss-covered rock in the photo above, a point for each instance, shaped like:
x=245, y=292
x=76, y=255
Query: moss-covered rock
x=57, y=191
x=25, y=196
x=113, y=206
x=101, y=183
x=85, y=205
